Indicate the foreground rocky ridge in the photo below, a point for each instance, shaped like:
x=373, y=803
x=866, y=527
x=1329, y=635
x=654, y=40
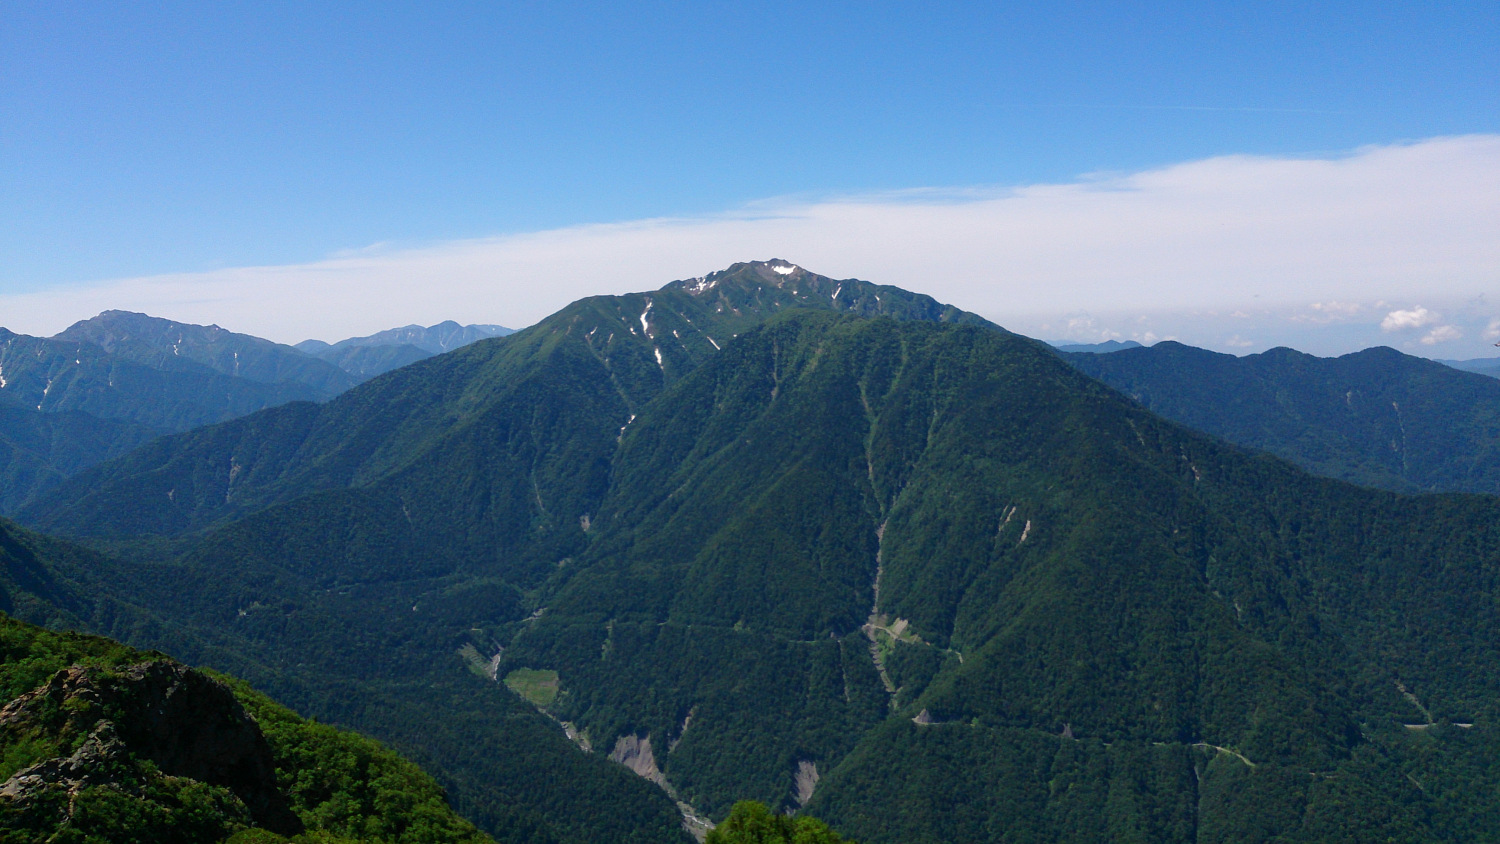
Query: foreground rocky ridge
x=121, y=745
x=130, y=720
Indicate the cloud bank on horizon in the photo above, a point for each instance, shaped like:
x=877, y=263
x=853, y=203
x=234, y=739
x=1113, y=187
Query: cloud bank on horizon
x=1394, y=244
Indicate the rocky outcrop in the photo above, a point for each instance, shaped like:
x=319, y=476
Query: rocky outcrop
x=186, y=724
x=804, y=782
x=634, y=752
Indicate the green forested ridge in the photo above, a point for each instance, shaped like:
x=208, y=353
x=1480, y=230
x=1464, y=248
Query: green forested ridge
x=754, y=823
x=476, y=516
x=1376, y=417
x=1097, y=570
x=161, y=753
x=1089, y=622
x=592, y=364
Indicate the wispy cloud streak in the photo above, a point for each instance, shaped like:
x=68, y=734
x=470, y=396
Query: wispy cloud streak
x=1406, y=223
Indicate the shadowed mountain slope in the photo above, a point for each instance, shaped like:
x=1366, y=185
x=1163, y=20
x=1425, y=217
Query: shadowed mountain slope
x=1376, y=417
x=53, y=376
x=40, y=450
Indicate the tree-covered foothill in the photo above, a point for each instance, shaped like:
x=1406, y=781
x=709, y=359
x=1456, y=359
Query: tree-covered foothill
x=750, y=822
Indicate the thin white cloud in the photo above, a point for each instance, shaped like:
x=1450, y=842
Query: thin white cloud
x=1408, y=319
x=1442, y=334
x=1492, y=331
x=1332, y=311
x=1254, y=234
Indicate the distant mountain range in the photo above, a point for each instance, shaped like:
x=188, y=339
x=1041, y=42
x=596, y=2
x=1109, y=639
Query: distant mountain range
x=1483, y=366
x=842, y=549
x=434, y=339
x=366, y=357
x=170, y=346
x=1094, y=348
x=112, y=383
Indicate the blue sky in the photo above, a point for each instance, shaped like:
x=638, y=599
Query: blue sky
x=142, y=140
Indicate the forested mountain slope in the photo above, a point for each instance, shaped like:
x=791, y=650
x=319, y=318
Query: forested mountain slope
x=39, y=450
x=366, y=362
x=922, y=578
x=472, y=475
x=553, y=396
x=53, y=376
x=110, y=384
x=1059, y=586
x=1376, y=417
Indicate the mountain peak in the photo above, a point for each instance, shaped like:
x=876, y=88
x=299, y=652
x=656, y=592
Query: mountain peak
x=169, y=345
x=774, y=272
x=115, y=319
